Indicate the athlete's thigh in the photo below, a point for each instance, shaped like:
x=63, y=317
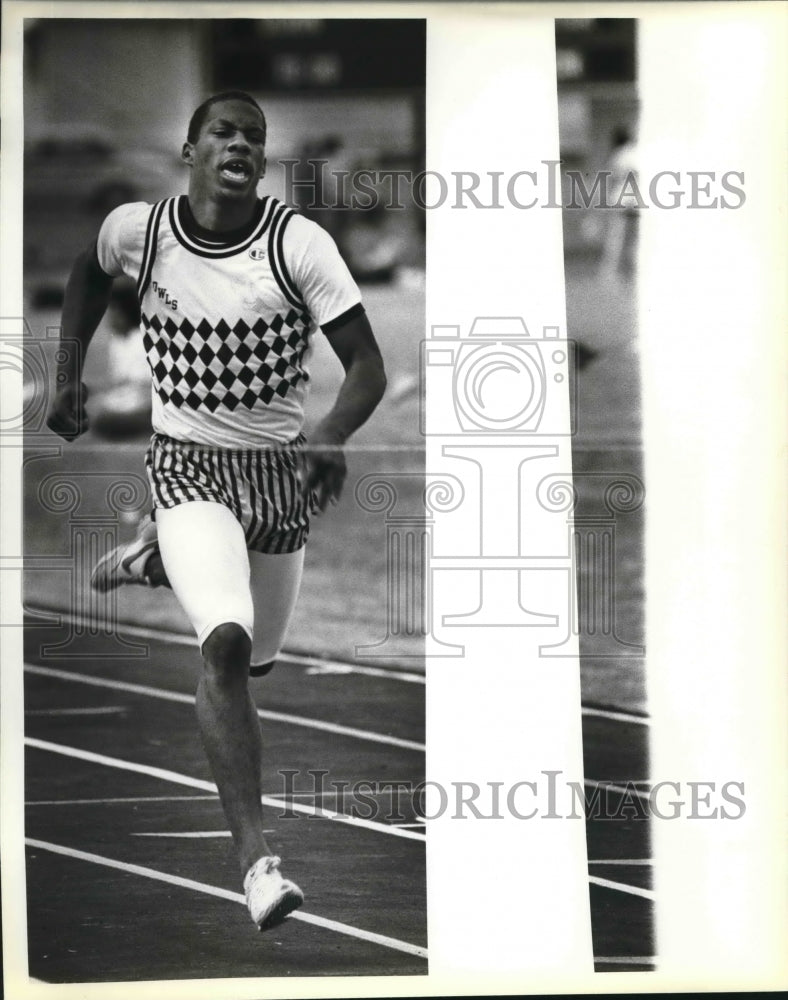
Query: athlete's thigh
x=203, y=549
x=275, y=581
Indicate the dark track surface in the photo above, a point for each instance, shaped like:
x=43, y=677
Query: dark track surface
x=96, y=923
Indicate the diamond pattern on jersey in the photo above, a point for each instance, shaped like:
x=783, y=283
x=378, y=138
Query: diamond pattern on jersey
x=207, y=367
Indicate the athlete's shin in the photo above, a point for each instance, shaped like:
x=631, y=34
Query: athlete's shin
x=230, y=730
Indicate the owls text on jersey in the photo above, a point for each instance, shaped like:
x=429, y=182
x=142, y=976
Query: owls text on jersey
x=228, y=318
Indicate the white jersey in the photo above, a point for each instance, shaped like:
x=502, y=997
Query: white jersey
x=228, y=318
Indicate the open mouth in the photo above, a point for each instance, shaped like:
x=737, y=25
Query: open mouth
x=236, y=171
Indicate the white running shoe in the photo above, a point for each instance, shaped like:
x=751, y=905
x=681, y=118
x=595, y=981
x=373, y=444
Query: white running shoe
x=126, y=563
x=269, y=896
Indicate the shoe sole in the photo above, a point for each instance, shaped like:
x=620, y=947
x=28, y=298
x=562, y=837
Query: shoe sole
x=103, y=582
x=281, y=911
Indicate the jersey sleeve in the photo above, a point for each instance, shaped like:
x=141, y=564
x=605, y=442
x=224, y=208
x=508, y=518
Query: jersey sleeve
x=121, y=233
x=320, y=274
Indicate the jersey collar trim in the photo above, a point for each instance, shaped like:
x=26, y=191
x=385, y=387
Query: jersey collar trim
x=202, y=242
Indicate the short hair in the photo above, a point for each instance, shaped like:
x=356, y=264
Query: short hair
x=198, y=118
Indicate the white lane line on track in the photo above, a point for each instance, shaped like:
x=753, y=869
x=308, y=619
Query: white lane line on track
x=124, y=799
x=188, y=699
x=109, y=710
x=234, y=897
x=296, y=659
x=183, y=779
x=321, y=664
x=193, y=834
x=625, y=960
x=208, y=786
x=331, y=727
x=622, y=861
x=610, y=786
x=318, y=665
x=616, y=715
x=632, y=890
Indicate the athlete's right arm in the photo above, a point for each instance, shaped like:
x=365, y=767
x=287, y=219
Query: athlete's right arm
x=86, y=299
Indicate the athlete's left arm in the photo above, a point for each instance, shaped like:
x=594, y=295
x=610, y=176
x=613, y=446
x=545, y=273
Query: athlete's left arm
x=362, y=389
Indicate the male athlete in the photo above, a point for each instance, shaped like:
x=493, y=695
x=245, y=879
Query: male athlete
x=231, y=289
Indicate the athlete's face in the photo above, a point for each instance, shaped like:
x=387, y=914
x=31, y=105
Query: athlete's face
x=228, y=157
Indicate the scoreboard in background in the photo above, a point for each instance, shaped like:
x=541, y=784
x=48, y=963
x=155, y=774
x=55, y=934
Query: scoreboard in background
x=595, y=50
x=315, y=55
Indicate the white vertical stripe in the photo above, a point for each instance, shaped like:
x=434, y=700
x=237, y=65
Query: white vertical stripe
x=277, y=264
x=505, y=894
x=151, y=247
x=713, y=317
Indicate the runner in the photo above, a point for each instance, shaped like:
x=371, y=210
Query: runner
x=232, y=288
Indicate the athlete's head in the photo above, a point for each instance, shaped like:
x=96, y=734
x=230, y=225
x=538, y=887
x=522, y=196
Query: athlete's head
x=201, y=113
x=225, y=144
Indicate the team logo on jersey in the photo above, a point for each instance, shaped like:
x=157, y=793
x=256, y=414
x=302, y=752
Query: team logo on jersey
x=257, y=253
x=164, y=295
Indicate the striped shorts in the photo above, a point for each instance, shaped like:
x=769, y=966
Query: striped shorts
x=262, y=488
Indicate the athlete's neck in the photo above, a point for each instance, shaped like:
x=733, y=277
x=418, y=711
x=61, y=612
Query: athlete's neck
x=222, y=214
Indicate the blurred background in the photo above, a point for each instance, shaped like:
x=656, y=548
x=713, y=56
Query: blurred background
x=598, y=115
x=107, y=104
x=598, y=111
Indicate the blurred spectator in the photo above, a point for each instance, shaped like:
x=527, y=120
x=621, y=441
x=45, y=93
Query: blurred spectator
x=620, y=234
x=327, y=189
x=374, y=240
x=82, y=168
x=375, y=245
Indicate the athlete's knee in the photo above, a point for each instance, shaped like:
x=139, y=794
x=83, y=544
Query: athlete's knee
x=227, y=651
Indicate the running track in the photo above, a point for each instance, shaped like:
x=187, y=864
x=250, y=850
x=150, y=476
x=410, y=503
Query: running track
x=130, y=870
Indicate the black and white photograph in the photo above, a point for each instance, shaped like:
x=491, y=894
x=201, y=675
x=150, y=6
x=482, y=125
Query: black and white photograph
x=393, y=535
x=197, y=233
